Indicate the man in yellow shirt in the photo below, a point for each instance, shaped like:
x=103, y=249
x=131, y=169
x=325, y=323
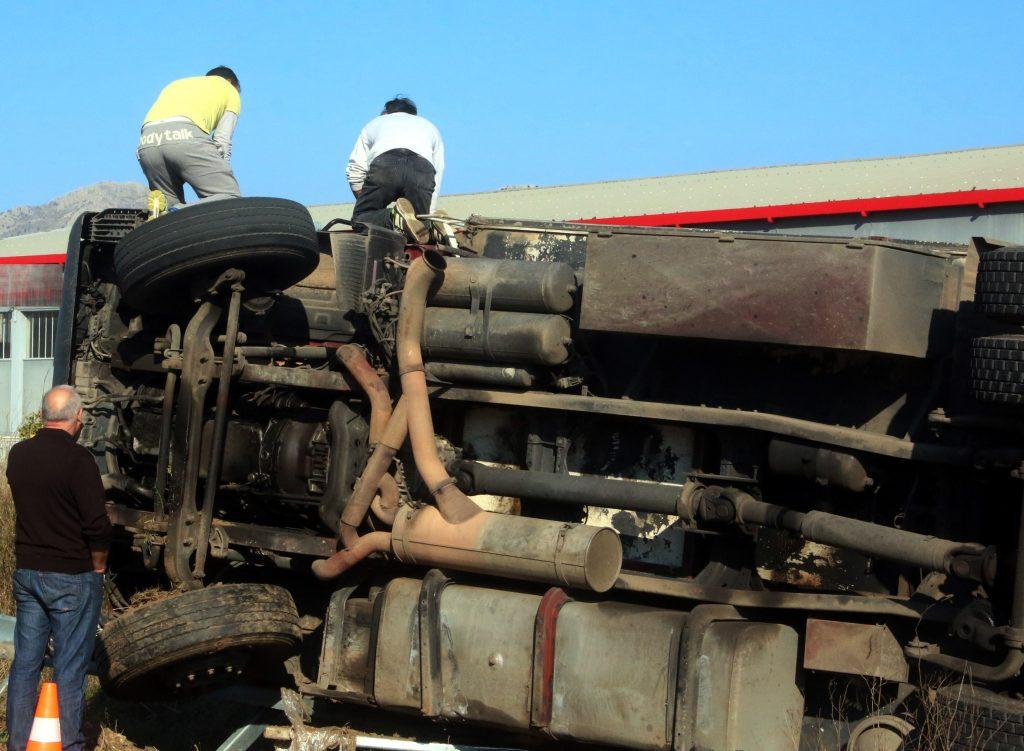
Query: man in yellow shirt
x=186, y=138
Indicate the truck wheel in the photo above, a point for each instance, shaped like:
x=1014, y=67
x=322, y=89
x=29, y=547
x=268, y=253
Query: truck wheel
x=271, y=239
x=196, y=640
x=999, y=290
x=978, y=719
x=997, y=369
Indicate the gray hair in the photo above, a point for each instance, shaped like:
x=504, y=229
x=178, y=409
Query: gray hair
x=54, y=410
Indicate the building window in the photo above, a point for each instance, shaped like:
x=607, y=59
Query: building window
x=5, y=335
x=42, y=327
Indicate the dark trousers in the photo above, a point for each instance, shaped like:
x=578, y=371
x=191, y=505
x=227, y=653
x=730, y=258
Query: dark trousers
x=395, y=174
x=66, y=606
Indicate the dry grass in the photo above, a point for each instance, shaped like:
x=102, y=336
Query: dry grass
x=6, y=544
x=937, y=724
x=942, y=728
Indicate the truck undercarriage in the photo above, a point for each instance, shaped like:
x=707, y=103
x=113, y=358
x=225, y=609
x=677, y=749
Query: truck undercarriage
x=647, y=488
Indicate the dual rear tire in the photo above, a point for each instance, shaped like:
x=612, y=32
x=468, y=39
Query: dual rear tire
x=997, y=362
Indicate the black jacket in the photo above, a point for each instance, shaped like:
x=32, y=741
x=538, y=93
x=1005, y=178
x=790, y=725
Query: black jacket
x=60, y=503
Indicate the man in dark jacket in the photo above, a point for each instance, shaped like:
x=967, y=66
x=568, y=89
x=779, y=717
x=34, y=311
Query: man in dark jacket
x=61, y=543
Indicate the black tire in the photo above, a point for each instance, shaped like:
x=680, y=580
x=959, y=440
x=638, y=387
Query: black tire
x=997, y=369
x=271, y=239
x=196, y=640
x=976, y=719
x=999, y=290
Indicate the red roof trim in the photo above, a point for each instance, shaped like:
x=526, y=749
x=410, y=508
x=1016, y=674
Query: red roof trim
x=36, y=259
x=862, y=206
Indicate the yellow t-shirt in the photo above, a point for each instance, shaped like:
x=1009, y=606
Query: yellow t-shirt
x=202, y=99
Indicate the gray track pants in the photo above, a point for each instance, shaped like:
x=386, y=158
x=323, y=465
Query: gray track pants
x=173, y=154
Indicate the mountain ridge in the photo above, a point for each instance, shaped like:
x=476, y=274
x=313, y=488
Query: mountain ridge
x=61, y=211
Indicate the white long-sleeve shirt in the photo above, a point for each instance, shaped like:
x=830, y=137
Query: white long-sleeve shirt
x=223, y=132
x=398, y=130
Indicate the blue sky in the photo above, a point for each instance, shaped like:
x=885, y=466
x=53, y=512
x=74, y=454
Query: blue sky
x=523, y=92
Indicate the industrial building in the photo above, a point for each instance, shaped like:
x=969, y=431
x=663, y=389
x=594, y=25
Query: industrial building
x=945, y=197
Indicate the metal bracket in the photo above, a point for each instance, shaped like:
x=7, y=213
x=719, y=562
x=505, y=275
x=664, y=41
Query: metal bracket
x=430, y=641
x=188, y=529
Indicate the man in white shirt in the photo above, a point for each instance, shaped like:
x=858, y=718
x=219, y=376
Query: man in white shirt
x=398, y=157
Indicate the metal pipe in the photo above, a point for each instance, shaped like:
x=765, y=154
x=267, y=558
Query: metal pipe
x=166, y=423
x=327, y=380
x=354, y=360
x=853, y=439
x=343, y=560
x=385, y=505
x=356, y=548
x=295, y=353
x=517, y=547
x=508, y=376
x=220, y=426
x=730, y=505
x=632, y=495
x=376, y=468
x=458, y=533
x=423, y=273
x=633, y=581
x=1009, y=668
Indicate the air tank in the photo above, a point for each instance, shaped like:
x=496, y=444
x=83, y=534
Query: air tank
x=501, y=337
x=523, y=286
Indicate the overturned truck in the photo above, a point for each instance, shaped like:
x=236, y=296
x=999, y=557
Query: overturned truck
x=648, y=488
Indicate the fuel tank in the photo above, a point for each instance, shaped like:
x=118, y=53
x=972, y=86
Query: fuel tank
x=611, y=673
x=859, y=294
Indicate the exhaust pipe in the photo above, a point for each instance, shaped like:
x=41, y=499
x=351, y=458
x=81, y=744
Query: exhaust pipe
x=458, y=533
x=385, y=506
x=423, y=273
x=373, y=475
x=517, y=547
x=354, y=360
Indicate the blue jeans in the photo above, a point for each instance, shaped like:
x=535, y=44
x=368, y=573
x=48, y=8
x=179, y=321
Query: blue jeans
x=66, y=606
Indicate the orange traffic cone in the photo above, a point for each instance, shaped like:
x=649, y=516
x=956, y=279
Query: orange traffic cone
x=46, y=726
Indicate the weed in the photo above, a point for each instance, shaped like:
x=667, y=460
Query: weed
x=30, y=425
x=7, y=524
